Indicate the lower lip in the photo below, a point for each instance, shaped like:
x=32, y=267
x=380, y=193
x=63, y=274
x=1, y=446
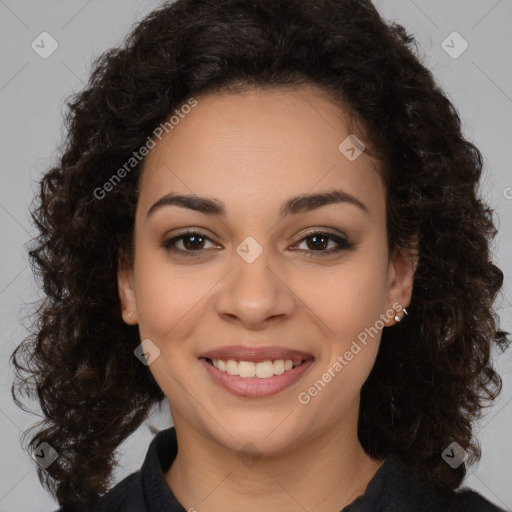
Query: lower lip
x=254, y=387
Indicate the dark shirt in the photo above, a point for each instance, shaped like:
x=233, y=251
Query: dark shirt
x=392, y=488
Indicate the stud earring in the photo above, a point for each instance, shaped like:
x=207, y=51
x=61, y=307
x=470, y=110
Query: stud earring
x=399, y=318
x=130, y=314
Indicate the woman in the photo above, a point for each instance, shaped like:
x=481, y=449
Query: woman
x=267, y=213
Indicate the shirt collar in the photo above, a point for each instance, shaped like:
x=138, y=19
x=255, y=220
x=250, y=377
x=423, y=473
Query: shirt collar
x=161, y=453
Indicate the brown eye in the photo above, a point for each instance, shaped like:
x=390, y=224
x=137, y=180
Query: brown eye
x=318, y=242
x=192, y=244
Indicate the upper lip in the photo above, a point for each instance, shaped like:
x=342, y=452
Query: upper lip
x=255, y=354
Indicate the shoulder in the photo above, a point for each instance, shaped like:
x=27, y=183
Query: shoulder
x=423, y=496
x=426, y=497
x=395, y=487
x=125, y=496
x=137, y=490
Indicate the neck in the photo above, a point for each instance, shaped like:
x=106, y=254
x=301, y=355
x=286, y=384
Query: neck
x=324, y=473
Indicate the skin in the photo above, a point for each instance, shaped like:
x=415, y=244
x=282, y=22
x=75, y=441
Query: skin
x=253, y=151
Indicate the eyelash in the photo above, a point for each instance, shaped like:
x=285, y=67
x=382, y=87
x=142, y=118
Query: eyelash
x=343, y=244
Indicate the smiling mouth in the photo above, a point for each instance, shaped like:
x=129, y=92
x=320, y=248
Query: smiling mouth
x=262, y=370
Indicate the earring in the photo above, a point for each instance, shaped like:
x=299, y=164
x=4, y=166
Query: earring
x=130, y=314
x=399, y=318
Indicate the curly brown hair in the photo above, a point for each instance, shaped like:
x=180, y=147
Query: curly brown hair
x=78, y=357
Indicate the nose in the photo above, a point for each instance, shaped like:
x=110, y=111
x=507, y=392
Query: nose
x=255, y=294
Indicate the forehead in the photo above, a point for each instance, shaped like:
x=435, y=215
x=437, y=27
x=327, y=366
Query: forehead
x=258, y=146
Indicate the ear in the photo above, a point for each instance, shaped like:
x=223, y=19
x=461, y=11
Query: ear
x=401, y=270
x=126, y=290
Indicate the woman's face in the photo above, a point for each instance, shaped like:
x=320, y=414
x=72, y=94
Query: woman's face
x=287, y=261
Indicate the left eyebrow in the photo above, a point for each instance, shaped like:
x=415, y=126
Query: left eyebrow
x=297, y=204
x=309, y=202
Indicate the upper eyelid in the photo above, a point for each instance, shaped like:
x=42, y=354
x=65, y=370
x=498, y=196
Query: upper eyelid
x=186, y=234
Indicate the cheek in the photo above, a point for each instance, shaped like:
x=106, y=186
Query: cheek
x=348, y=297
x=349, y=300
x=349, y=303
x=168, y=297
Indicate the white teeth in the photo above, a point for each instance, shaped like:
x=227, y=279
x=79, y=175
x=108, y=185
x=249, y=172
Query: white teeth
x=262, y=370
x=246, y=369
x=278, y=367
x=232, y=367
x=265, y=369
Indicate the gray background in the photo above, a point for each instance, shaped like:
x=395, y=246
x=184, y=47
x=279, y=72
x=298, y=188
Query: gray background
x=32, y=94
